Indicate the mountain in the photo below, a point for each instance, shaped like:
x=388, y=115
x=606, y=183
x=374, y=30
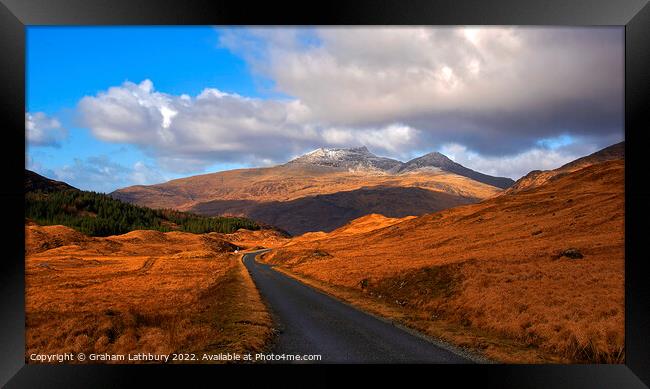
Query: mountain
x=440, y=161
x=535, y=276
x=361, y=159
x=318, y=191
x=539, y=177
x=36, y=182
x=350, y=159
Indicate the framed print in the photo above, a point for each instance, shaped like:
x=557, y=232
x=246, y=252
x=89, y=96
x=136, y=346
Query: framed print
x=375, y=190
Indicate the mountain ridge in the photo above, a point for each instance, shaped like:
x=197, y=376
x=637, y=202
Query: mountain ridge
x=441, y=161
x=319, y=191
x=328, y=167
x=361, y=159
x=326, y=188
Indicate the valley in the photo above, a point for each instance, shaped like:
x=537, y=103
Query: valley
x=533, y=273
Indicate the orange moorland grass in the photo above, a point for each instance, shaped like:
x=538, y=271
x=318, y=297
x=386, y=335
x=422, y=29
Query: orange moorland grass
x=141, y=292
x=492, y=276
x=247, y=239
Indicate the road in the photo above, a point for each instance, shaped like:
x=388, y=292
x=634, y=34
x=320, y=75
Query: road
x=311, y=322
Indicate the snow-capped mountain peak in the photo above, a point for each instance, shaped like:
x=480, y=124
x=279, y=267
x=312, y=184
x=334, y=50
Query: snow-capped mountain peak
x=356, y=158
x=360, y=159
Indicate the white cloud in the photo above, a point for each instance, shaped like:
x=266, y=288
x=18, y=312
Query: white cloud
x=394, y=139
x=460, y=84
x=493, y=91
x=143, y=174
x=185, y=133
x=43, y=130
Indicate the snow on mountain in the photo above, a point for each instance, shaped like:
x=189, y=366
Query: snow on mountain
x=355, y=159
x=361, y=159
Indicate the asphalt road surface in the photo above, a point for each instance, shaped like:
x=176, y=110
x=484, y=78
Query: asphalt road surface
x=311, y=322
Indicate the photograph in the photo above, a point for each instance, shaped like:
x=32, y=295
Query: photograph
x=351, y=194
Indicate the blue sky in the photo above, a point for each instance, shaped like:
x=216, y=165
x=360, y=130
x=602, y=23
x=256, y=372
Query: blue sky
x=109, y=107
x=65, y=64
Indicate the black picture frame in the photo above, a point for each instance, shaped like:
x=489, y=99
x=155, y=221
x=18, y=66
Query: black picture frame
x=15, y=15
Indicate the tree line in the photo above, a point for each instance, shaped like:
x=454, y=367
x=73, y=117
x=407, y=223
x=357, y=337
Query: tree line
x=97, y=214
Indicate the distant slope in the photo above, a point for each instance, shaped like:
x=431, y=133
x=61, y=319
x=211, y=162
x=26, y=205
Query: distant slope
x=437, y=160
x=34, y=182
x=98, y=214
x=330, y=211
x=540, y=177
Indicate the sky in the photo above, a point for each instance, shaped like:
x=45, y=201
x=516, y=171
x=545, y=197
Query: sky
x=110, y=107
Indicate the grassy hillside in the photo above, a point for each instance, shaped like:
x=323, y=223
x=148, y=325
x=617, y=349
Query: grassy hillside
x=97, y=214
x=529, y=277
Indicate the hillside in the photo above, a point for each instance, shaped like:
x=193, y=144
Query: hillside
x=319, y=191
x=360, y=225
x=534, y=276
x=540, y=177
x=97, y=214
x=36, y=182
